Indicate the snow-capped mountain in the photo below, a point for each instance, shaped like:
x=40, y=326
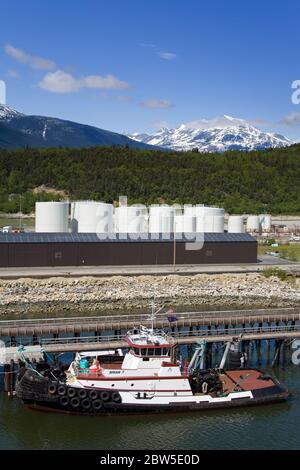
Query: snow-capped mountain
x=231, y=134
x=18, y=130
x=7, y=113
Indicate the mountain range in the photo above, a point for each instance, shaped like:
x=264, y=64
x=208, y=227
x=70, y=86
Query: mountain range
x=234, y=134
x=18, y=130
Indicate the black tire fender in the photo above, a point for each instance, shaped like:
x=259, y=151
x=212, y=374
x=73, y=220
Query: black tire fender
x=82, y=393
x=104, y=396
x=52, y=387
x=97, y=405
x=71, y=392
x=75, y=402
x=61, y=390
x=115, y=396
x=64, y=400
x=93, y=394
x=86, y=403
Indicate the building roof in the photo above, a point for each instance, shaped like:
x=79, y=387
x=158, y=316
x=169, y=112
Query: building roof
x=32, y=237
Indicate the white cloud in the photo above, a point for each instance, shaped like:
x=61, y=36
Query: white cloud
x=167, y=55
x=62, y=82
x=162, y=54
x=157, y=104
x=59, y=82
x=293, y=119
x=33, y=61
x=109, y=82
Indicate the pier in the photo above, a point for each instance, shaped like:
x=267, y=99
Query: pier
x=276, y=327
x=88, y=343
x=104, y=332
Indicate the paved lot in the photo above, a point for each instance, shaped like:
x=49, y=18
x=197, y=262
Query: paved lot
x=100, y=271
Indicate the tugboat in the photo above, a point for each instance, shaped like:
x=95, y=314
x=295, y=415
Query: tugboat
x=146, y=379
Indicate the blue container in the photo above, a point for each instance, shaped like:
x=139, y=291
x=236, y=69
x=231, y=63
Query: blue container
x=84, y=365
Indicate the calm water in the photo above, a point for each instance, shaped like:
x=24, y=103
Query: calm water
x=263, y=427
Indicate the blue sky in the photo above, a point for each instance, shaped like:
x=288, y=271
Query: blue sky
x=129, y=65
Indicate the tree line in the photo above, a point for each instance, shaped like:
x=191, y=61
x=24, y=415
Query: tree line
x=251, y=182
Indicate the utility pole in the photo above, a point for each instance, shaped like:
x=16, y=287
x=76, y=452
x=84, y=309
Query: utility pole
x=174, y=245
x=20, y=212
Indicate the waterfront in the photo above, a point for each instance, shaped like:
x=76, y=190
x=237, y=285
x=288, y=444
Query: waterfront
x=29, y=297
x=263, y=427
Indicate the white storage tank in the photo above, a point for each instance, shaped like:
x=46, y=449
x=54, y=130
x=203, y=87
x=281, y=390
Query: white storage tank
x=214, y=211
x=190, y=220
x=161, y=219
x=185, y=224
x=51, y=217
x=209, y=219
x=92, y=217
x=236, y=224
x=253, y=223
x=74, y=214
x=131, y=219
x=265, y=222
x=210, y=224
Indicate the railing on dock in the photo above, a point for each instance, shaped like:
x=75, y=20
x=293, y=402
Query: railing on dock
x=99, y=323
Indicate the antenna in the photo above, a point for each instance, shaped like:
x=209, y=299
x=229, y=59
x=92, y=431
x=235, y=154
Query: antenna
x=154, y=312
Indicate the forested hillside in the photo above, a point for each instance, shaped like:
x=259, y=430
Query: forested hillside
x=241, y=182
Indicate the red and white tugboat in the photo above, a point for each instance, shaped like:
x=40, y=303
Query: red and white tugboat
x=146, y=379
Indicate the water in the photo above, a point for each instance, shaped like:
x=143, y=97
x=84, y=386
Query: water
x=263, y=427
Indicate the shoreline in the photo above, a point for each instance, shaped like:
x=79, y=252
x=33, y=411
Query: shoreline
x=26, y=297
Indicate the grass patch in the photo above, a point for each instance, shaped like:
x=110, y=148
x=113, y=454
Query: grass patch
x=280, y=273
x=287, y=251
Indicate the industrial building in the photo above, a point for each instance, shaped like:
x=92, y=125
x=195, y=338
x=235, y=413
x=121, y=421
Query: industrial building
x=87, y=249
x=90, y=233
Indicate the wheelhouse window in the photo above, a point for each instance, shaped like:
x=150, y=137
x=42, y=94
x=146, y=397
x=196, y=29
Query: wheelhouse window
x=151, y=351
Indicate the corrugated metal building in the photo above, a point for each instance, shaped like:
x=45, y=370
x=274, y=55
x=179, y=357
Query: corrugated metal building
x=64, y=249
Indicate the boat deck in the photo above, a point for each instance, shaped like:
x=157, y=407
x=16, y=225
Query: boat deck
x=233, y=380
x=244, y=379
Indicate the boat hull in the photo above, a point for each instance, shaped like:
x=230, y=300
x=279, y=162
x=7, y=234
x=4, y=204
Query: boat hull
x=34, y=392
x=152, y=409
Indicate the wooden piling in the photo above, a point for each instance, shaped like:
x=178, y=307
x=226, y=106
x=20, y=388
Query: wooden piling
x=12, y=375
x=97, y=335
x=268, y=351
x=276, y=358
x=7, y=378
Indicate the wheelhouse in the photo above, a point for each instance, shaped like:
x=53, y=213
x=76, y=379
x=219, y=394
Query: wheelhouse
x=145, y=343
x=151, y=351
